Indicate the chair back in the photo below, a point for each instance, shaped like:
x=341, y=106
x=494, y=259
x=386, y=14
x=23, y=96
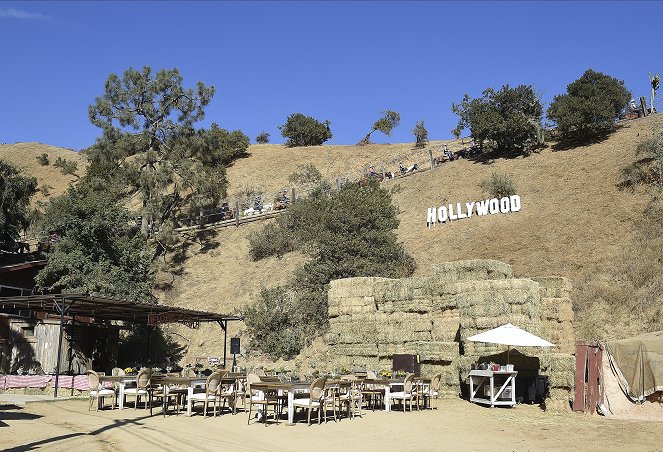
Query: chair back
x=143, y=378
x=370, y=375
x=407, y=384
x=317, y=388
x=435, y=382
x=259, y=371
x=93, y=380
x=188, y=372
x=117, y=372
x=213, y=382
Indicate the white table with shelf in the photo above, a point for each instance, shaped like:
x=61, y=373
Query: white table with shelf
x=500, y=385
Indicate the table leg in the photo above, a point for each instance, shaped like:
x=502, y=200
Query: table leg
x=120, y=404
x=291, y=407
x=188, y=401
x=492, y=391
x=387, y=398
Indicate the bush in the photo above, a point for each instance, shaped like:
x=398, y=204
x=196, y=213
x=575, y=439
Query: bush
x=498, y=185
x=262, y=138
x=43, y=159
x=508, y=119
x=279, y=322
x=66, y=166
x=387, y=122
x=649, y=169
x=270, y=241
x=301, y=130
x=589, y=108
x=420, y=135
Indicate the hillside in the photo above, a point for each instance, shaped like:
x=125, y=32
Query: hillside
x=24, y=156
x=573, y=218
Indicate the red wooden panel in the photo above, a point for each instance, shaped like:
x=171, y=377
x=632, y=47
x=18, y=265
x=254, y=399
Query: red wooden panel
x=581, y=367
x=599, y=363
x=593, y=380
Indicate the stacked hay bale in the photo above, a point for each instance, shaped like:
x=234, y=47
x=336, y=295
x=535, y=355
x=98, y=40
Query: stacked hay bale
x=371, y=319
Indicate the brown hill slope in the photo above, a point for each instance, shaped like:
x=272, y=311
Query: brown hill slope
x=573, y=217
x=24, y=156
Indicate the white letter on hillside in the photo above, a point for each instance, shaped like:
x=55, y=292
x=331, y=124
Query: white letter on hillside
x=431, y=216
x=442, y=214
x=494, y=206
x=504, y=205
x=470, y=206
x=515, y=203
x=482, y=208
x=460, y=211
x=451, y=213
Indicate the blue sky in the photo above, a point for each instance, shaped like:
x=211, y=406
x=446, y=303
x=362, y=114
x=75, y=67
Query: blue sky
x=341, y=61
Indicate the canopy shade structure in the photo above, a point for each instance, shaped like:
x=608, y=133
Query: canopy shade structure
x=100, y=307
x=510, y=335
x=638, y=364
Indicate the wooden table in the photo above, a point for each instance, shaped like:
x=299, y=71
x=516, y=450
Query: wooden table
x=290, y=387
x=506, y=381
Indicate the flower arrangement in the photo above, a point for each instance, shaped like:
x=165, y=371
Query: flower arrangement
x=401, y=373
x=129, y=370
x=386, y=373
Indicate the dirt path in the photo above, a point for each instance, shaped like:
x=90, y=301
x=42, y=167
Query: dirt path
x=456, y=425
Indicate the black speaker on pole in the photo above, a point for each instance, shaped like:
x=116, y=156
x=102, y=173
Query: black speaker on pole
x=234, y=345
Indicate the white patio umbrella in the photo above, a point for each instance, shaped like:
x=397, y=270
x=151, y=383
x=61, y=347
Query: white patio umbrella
x=512, y=336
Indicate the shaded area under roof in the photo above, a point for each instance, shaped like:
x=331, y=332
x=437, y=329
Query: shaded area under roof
x=108, y=308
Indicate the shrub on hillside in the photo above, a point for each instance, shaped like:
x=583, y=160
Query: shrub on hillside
x=67, y=167
x=507, y=120
x=420, y=135
x=271, y=240
x=43, y=159
x=498, y=185
x=589, y=108
x=262, y=138
x=649, y=169
x=301, y=130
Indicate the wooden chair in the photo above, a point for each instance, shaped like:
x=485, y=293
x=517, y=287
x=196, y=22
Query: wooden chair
x=211, y=394
x=315, y=400
x=97, y=392
x=265, y=399
x=143, y=388
x=432, y=391
x=349, y=395
x=409, y=392
x=373, y=394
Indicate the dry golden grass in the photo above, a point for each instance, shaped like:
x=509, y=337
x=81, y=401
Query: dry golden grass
x=24, y=156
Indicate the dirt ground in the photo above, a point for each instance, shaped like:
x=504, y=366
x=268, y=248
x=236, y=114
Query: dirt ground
x=455, y=425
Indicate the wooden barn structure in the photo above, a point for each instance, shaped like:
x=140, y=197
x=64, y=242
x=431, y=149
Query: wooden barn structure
x=86, y=311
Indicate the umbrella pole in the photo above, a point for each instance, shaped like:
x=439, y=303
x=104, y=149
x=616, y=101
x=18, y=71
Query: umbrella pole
x=508, y=355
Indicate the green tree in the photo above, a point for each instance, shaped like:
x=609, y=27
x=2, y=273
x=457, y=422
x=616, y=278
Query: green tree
x=150, y=144
x=98, y=251
x=15, y=193
x=346, y=233
x=420, y=135
x=589, y=108
x=498, y=185
x=507, y=120
x=301, y=130
x=262, y=138
x=385, y=124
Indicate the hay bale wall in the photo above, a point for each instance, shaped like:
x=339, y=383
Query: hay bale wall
x=371, y=319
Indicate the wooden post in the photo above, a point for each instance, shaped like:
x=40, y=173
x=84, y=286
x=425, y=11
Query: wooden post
x=338, y=183
x=236, y=213
x=293, y=196
x=430, y=156
x=643, y=105
x=593, y=380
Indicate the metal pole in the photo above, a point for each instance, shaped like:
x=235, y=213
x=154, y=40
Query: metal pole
x=225, y=340
x=57, y=366
x=71, y=351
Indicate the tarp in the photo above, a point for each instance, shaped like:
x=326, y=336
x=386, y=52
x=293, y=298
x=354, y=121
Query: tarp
x=638, y=364
x=510, y=335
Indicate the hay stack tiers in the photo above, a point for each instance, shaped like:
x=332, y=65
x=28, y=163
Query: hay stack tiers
x=372, y=319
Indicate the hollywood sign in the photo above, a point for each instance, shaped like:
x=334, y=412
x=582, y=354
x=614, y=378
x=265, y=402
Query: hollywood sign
x=459, y=210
